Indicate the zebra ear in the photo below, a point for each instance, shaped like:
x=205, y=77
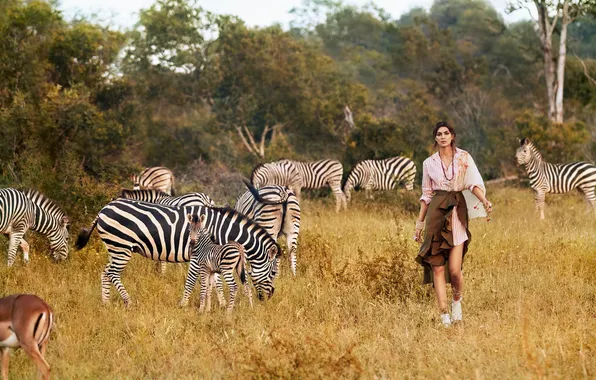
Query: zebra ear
x=65, y=221
x=525, y=141
x=202, y=219
x=189, y=217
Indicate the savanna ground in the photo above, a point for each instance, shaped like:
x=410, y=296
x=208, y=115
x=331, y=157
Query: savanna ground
x=355, y=309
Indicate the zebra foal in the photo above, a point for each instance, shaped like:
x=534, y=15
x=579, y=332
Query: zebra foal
x=380, y=175
x=209, y=259
x=555, y=178
x=29, y=209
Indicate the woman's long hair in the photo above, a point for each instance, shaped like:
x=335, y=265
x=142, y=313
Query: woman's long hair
x=451, y=130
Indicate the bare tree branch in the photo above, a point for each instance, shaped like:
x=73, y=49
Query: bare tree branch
x=262, y=147
x=592, y=80
x=250, y=149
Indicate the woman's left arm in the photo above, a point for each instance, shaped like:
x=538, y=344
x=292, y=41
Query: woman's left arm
x=475, y=184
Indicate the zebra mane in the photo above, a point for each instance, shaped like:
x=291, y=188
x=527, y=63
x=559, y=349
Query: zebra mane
x=144, y=191
x=44, y=202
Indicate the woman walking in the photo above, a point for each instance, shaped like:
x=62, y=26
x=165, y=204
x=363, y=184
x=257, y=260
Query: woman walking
x=445, y=175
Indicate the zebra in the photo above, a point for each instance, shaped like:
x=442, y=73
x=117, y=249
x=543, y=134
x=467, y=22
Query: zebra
x=156, y=196
x=159, y=197
x=299, y=174
x=276, y=209
x=157, y=177
x=207, y=260
x=380, y=175
x=555, y=178
x=21, y=210
x=322, y=173
x=281, y=173
x=161, y=234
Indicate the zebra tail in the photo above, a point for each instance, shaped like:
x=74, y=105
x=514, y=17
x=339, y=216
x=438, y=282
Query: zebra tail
x=257, y=196
x=241, y=266
x=84, y=235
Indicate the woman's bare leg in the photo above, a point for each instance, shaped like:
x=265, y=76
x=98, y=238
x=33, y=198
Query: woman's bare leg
x=457, y=277
x=440, y=287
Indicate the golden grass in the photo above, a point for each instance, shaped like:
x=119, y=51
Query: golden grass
x=356, y=308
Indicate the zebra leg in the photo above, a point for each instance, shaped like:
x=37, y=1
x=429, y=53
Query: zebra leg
x=248, y=293
x=25, y=248
x=210, y=281
x=292, y=242
x=16, y=236
x=229, y=277
x=204, y=285
x=340, y=198
x=540, y=195
x=190, y=283
x=105, y=285
x=219, y=290
x=590, y=197
x=114, y=271
x=160, y=267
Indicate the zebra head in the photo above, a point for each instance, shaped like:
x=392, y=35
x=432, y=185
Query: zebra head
x=524, y=153
x=196, y=228
x=136, y=182
x=58, y=237
x=264, y=284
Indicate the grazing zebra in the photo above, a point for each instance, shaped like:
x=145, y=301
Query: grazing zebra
x=555, y=178
x=159, y=197
x=281, y=173
x=29, y=209
x=276, y=209
x=209, y=259
x=318, y=174
x=161, y=233
x=380, y=175
x=157, y=177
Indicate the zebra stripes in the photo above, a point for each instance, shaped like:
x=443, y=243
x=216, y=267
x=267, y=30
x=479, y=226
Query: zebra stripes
x=161, y=233
x=380, y=175
x=277, y=210
x=29, y=209
x=159, y=197
x=157, y=178
x=208, y=259
x=555, y=178
x=298, y=174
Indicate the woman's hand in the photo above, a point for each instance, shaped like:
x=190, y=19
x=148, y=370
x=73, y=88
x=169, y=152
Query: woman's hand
x=418, y=233
x=488, y=206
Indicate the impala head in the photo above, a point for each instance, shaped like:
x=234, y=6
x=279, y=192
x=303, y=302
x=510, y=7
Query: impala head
x=524, y=152
x=59, y=240
x=264, y=284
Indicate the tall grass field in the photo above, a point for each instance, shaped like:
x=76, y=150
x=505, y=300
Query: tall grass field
x=356, y=308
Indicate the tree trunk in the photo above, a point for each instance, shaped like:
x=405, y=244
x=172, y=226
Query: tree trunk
x=561, y=63
x=546, y=30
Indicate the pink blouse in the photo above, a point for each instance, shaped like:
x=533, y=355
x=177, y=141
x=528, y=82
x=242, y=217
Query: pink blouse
x=461, y=175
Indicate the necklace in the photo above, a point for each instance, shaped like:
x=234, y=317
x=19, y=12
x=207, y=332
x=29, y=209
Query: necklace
x=445, y=169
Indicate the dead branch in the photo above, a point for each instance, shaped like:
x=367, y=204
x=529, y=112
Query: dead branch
x=241, y=134
x=592, y=80
x=262, y=146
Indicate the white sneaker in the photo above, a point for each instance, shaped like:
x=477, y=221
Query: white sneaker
x=456, y=312
x=446, y=320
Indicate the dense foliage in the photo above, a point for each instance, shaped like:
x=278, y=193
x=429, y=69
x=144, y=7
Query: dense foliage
x=83, y=106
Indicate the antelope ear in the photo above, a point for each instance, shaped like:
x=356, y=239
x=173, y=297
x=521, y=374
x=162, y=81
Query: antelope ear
x=189, y=217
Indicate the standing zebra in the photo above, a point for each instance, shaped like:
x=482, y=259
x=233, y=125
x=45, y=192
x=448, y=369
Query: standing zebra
x=277, y=210
x=208, y=259
x=29, y=209
x=281, y=173
x=380, y=175
x=159, y=197
x=161, y=234
x=298, y=174
x=322, y=173
x=157, y=177
x=555, y=178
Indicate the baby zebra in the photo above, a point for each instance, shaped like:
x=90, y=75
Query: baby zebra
x=208, y=259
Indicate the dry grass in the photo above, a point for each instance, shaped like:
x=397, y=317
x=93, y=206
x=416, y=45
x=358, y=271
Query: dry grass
x=354, y=310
